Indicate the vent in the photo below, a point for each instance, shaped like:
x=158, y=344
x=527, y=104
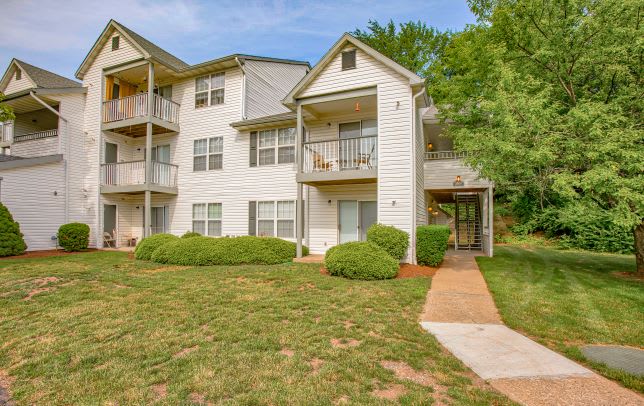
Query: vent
x=349, y=60
x=115, y=42
x=18, y=74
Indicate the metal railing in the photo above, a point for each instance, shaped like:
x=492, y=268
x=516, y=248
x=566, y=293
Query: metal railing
x=338, y=155
x=35, y=135
x=133, y=173
x=445, y=155
x=137, y=106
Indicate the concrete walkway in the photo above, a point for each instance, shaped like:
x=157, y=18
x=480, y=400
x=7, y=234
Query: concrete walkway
x=461, y=313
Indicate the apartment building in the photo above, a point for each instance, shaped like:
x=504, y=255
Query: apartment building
x=241, y=145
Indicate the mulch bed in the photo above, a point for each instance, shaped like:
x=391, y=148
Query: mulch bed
x=47, y=253
x=405, y=271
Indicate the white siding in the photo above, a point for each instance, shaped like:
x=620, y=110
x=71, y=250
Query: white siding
x=323, y=216
x=267, y=83
x=15, y=86
x=35, y=196
x=441, y=173
x=33, y=148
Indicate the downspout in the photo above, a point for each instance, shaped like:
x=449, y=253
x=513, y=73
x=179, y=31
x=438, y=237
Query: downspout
x=67, y=150
x=414, y=111
x=243, y=88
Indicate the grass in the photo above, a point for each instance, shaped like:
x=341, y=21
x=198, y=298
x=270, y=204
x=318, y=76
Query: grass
x=112, y=330
x=567, y=299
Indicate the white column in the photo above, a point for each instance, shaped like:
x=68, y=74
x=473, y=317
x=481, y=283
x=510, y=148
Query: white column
x=147, y=214
x=300, y=186
x=490, y=221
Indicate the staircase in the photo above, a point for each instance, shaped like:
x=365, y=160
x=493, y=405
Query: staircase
x=468, y=222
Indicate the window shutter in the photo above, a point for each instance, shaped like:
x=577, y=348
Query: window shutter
x=349, y=59
x=252, y=217
x=253, y=148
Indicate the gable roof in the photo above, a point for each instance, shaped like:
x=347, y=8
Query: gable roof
x=40, y=78
x=347, y=38
x=152, y=51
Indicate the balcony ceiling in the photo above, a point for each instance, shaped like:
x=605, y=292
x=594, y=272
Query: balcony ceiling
x=26, y=104
x=139, y=74
x=368, y=104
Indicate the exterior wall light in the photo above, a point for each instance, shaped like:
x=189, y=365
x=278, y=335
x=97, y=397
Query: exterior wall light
x=357, y=106
x=458, y=181
x=430, y=146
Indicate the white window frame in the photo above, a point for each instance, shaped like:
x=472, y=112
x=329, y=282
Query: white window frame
x=208, y=153
x=206, y=219
x=210, y=89
x=276, y=219
x=276, y=146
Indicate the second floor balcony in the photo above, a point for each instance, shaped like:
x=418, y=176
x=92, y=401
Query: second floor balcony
x=129, y=115
x=129, y=177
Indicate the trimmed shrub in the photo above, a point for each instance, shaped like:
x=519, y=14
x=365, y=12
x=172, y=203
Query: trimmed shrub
x=190, y=234
x=11, y=241
x=73, y=236
x=360, y=260
x=431, y=244
x=244, y=250
x=390, y=239
x=149, y=245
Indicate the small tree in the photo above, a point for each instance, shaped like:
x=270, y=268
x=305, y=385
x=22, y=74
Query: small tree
x=6, y=113
x=11, y=241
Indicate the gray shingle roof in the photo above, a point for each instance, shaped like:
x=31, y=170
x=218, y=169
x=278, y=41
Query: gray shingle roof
x=156, y=52
x=46, y=79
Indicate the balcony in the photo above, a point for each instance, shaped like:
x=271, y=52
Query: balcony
x=129, y=177
x=349, y=160
x=432, y=155
x=129, y=115
x=37, y=135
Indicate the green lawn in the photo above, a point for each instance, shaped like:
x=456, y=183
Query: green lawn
x=111, y=330
x=567, y=298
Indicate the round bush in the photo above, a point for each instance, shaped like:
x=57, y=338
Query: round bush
x=73, y=236
x=190, y=234
x=390, y=239
x=149, y=245
x=245, y=250
x=431, y=244
x=360, y=260
x=11, y=241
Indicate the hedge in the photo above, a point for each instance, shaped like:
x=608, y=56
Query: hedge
x=73, y=236
x=149, y=245
x=11, y=239
x=390, y=239
x=190, y=234
x=245, y=250
x=360, y=260
x=431, y=244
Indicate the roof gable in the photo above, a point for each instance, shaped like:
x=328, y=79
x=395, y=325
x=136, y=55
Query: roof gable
x=414, y=79
x=39, y=78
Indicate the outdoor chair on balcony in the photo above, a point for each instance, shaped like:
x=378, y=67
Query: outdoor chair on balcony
x=320, y=164
x=108, y=240
x=364, y=159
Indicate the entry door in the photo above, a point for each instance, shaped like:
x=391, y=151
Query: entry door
x=161, y=173
x=109, y=219
x=347, y=220
x=368, y=216
x=157, y=223
x=111, y=157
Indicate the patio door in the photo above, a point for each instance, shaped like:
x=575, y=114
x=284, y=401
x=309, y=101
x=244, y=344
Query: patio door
x=158, y=218
x=109, y=221
x=111, y=155
x=161, y=173
x=354, y=219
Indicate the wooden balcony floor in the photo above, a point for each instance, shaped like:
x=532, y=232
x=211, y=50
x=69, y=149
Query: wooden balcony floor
x=139, y=130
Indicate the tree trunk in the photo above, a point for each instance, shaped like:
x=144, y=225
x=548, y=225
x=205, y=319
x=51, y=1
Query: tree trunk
x=639, y=247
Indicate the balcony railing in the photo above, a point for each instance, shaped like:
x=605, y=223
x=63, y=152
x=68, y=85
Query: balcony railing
x=339, y=155
x=35, y=135
x=133, y=173
x=137, y=106
x=444, y=155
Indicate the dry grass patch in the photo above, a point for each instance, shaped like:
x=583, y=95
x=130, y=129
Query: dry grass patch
x=344, y=342
x=390, y=392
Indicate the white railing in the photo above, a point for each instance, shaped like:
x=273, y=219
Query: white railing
x=133, y=173
x=338, y=155
x=137, y=106
x=445, y=155
x=6, y=132
x=35, y=135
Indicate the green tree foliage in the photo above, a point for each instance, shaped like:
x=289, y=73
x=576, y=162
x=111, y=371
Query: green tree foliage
x=11, y=241
x=547, y=98
x=413, y=45
x=6, y=113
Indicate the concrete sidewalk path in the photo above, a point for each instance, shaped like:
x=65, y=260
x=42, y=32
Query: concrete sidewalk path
x=461, y=313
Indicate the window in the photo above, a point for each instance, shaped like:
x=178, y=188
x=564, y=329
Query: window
x=349, y=59
x=208, y=154
x=206, y=219
x=115, y=42
x=364, y=128
x=276, y=146
x=18, y=74
x=276, y=219
x=209, y=89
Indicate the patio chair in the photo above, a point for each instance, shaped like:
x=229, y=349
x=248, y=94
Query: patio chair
x=109, y=240
x=319, y=164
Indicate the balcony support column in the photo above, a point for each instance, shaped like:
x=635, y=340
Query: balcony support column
x=299, y=229
x=147, y=215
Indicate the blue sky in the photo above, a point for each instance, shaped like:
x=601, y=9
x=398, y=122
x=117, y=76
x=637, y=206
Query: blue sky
x=57, y=34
